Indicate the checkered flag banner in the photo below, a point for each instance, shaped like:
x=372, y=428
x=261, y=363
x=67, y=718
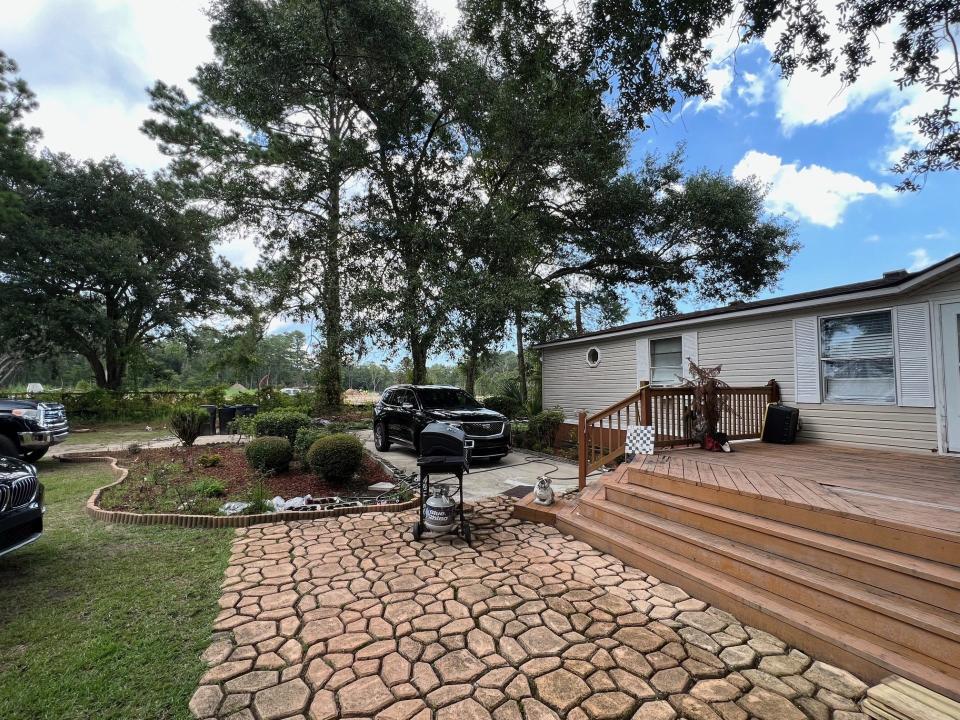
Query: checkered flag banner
x=640, y=440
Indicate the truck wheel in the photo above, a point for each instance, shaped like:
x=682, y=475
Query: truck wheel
x=380, y=440
x=8, y=447
x=35, y=455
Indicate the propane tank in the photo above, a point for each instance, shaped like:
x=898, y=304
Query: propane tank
x=438, y=511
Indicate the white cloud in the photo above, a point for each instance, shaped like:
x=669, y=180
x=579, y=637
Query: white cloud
x=813, y=193
x=921, y=259
x=721, y=80
x=90, y=63
x=753, y=88
x=938, y=234
x=872, y=238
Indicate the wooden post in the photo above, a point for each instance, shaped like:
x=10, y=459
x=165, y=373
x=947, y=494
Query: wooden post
x=582, y=447
x=646, y=405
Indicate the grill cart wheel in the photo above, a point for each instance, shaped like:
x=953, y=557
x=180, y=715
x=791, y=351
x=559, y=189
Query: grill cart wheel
x=416, y=530
x=465, y=531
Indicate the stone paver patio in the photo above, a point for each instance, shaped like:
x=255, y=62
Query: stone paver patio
x=349, y=617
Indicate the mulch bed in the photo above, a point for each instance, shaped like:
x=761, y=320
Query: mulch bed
x=180, y=469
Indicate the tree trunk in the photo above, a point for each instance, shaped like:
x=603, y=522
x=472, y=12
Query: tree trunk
x=331, y=385
x=577, y=316
x=470, y=369
x=521, y=359
x=418, y=356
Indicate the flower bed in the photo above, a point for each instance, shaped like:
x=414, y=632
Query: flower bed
x=177, y=495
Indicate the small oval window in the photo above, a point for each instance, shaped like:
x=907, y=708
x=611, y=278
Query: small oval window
x=593, y=357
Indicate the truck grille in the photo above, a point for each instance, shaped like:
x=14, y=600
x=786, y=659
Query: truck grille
x=53, y=414
x=20, y=492
x=483, y=429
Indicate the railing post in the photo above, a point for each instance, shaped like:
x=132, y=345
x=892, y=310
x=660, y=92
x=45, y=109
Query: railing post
x=646, y=405
x=582, y=447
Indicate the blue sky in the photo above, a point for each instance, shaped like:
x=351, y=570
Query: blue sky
x=822, y=149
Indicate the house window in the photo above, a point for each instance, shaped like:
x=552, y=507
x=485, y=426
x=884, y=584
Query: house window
x=593, y=357
x=666, y=360
x=857, y=358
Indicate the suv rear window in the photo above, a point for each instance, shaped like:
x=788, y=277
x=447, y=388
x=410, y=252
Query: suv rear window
x=446, y=399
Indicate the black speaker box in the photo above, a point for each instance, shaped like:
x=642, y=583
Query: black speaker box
x=780, y=424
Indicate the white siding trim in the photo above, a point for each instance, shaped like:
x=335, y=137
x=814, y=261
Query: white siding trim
x=691, y=351
x=806, y=352
x=914, y=356
x=643, y=360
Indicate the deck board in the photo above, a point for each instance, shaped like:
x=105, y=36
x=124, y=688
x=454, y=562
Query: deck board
x=890, y=486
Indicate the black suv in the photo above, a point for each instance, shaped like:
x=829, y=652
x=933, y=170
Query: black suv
x=404, y=410
x=21, y=505
x=29, y=428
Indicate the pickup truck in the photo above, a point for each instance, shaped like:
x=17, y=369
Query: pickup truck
x=29, y=428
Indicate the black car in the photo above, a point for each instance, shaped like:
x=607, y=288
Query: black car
x=21, y=504
x=404, y=410
x=29, y=428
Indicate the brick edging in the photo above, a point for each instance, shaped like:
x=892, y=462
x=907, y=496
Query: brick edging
x=123, y=517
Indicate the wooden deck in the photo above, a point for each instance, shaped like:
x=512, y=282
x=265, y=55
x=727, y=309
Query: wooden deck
x=897, y=488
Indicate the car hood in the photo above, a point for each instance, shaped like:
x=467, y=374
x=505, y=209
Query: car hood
x=7, y=404
x=12, y=469
x=475, y=415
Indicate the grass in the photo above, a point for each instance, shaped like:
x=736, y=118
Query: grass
x=104, y=621
x=120, y=434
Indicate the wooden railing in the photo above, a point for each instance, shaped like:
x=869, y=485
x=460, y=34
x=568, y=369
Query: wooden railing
x=601, y=437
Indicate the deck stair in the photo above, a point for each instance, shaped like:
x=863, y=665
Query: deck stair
x=874, y=597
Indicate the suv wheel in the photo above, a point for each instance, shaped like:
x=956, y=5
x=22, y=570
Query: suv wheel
x=380, y=440
x=35, y=455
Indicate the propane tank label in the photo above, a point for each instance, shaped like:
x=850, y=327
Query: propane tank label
x=438, y=515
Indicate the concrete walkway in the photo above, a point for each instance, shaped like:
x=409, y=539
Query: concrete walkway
x=350, y=617
x=170, y=441
x=488, y=479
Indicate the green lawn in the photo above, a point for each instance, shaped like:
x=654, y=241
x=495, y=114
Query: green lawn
x=104, y=621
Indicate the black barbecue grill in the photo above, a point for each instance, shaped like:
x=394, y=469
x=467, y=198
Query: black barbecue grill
x=444, y=450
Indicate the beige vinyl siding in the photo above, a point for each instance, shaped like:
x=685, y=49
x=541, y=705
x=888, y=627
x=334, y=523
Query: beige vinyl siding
x=880, y=426
x=751, y=351
x=572, y=385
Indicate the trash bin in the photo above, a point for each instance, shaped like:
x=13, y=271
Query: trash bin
x=211, y=428
x=245, y=410
x=226, y=416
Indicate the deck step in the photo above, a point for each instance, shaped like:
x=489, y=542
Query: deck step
x=930, y=582
x=927, y=544
x=818, y=634
x=902, y=622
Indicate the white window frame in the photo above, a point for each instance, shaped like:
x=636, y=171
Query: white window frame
x=896, y=360
x=679, y=372
x=586, y=356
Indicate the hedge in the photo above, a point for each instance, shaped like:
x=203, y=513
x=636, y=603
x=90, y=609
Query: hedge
x=280, y=423
x=269, y=454
x=336, y=458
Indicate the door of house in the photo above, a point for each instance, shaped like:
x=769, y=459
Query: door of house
x=950, y=317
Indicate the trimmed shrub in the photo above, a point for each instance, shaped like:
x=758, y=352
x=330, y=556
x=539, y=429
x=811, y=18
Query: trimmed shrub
x=280, y=423
x=269, y=453
x=504, y=405
x=307, y=436
x=187, y=422
x=336, y=458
